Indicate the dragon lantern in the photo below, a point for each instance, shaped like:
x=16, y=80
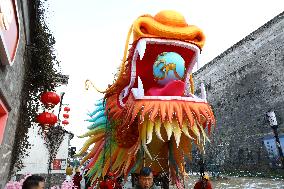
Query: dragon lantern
x=151, y=107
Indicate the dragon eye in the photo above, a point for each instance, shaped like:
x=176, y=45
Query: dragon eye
x=144, y=30
x=198, y=38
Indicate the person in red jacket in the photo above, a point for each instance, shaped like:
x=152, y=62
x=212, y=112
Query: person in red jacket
x=109, y=182
x=203, y=183
x=77, y=179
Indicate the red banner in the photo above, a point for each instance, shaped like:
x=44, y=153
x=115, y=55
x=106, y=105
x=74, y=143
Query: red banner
x=59, y=164
x=9, y=31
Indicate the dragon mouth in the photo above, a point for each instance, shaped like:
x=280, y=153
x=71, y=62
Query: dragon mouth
x=166, y=107
x=146, y=86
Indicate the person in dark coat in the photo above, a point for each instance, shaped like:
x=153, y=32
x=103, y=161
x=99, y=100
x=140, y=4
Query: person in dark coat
x=77, y=179
x=87, y=180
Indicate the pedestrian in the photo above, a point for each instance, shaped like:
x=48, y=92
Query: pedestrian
x=119, y=180
x=87, y=180
x=146, y=179
x=203, y=183
x=34, y=182
x=109, y=182
x=77, y=179
x=69, y=172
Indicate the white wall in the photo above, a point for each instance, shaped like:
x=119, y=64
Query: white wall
x=62, y=152
x=36, y=162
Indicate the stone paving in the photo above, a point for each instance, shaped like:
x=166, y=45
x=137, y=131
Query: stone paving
x=242, y=183
x=234, y=183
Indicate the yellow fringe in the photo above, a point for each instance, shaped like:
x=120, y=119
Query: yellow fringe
x=191, y=84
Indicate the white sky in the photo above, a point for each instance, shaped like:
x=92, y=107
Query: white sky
x=90, y=37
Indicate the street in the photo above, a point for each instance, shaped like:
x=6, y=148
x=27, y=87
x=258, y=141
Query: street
x=234, y=182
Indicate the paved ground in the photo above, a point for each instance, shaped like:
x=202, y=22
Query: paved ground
x=234, y=183
x=243, y=183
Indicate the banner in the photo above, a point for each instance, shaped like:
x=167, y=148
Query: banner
x=9, y=31
x=59, y=164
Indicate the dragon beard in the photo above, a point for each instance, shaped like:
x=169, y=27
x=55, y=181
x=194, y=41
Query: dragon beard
x=154, y=124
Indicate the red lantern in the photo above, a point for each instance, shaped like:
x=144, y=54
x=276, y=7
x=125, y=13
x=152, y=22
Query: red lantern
x=47, y=119
x=66, y=109
x=66, y=116
x=65, y=122
x=50, y=99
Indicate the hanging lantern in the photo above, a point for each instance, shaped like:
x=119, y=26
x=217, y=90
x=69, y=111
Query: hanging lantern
x=65, y=122
x=47, y=119
x=66, y=116
x=66, y=109
x=50, y=99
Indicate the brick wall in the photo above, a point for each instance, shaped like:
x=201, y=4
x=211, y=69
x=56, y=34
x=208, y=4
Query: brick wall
x=11, y=82
x=243, y=83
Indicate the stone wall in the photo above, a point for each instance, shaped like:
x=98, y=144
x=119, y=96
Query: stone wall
x=11, y=82
x=243, y=83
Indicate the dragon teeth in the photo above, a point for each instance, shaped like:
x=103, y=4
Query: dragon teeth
x=140, y=91
x=141, y=48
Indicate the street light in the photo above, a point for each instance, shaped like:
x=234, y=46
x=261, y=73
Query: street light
x=273, y=124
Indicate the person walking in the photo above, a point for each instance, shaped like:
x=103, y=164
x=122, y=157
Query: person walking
x=87, y=180
x=146, y=179
x=109, y=182
x=77, y=179
x=203, y=183
x=34, y=182
x=69, y=172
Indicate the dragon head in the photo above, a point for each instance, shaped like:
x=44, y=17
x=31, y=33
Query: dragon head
x=156, y=75
x=154, y=93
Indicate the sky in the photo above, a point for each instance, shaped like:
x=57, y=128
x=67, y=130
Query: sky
x=90, y=37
